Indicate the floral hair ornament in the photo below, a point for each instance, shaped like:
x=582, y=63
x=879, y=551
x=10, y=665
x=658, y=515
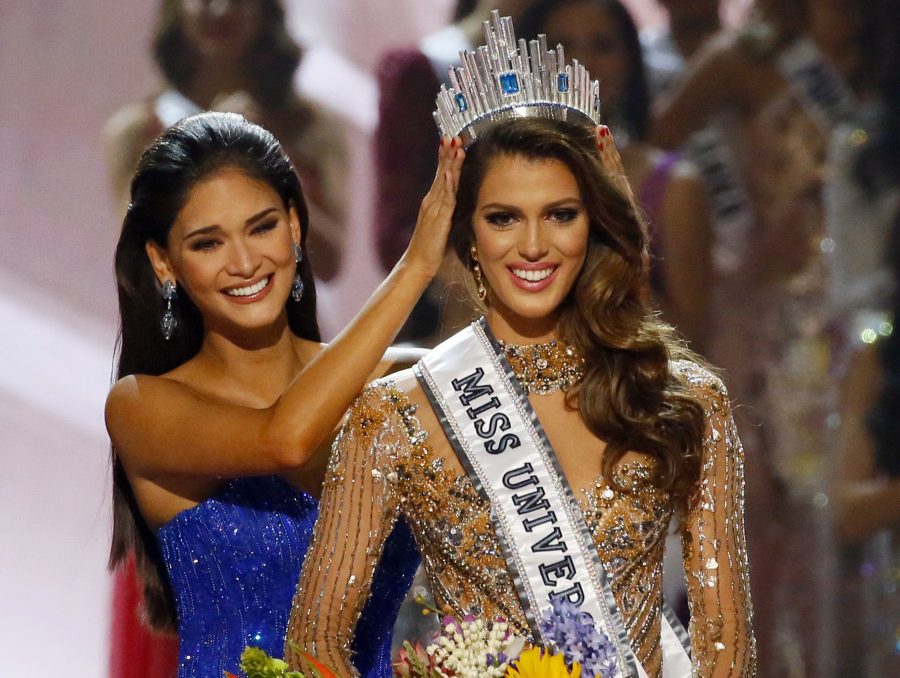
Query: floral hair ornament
x=507, y=79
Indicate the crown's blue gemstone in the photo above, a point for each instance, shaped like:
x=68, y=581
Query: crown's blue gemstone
x=562, y=82
x=461, y=103
x=509, y=83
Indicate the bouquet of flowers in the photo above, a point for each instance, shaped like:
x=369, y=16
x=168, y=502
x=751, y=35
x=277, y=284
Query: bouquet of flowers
x=471, y=648
x=255, y=663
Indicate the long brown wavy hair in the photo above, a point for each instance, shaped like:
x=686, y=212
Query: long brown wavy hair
x=630, y=398
x=272, y=59
x=192, y=150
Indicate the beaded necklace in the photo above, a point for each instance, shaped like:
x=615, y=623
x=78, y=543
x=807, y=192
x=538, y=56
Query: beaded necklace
x=544, y=368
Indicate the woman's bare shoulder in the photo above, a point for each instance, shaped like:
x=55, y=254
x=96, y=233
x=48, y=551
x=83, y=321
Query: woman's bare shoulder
x=131, y=125
x=138, y=391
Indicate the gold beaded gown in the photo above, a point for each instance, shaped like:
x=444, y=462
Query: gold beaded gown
x=392, y=459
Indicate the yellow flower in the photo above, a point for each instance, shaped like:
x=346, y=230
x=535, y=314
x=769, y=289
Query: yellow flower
x=536, y=663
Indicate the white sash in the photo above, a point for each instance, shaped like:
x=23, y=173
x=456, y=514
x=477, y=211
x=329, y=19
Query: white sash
x=819, y=85
x=547, y=545
x=730, y=206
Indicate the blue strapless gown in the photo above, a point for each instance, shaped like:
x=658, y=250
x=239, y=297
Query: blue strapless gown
x=234, y=561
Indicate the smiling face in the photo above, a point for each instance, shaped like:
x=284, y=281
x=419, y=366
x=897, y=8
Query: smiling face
x=221, y=28
x=231, y=249
x=531, y=236
x=591, y=34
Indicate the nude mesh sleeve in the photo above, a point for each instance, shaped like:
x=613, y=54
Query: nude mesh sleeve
x=357, y=512
x=715, y=551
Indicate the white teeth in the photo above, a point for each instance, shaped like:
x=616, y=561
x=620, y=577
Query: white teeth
x=250, y=290
x=533, y=276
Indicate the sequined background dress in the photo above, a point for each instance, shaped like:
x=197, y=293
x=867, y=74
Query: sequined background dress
x=768, y=339
x=859, y=223
x=386, y=465
x=234, y=561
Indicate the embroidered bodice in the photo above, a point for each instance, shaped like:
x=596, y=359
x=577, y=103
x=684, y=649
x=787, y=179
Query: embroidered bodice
x=383, y=465
x=233, y=562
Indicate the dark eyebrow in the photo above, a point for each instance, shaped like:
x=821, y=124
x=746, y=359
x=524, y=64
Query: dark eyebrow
x=260, y=215
x=549, y=206
x=209, y=229
x=201, y=231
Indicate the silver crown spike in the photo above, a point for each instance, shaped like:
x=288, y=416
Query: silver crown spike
x=588, y=100
x=510, y=34
x=472, y=94
x=496, y=26
x=471, y=78
x=494, y=21
x=546, y=85
x=483, y=73
x=552, y=75
x=490, y=44
x=575, y=83
x=537, y=66
x=508, y=78
x=496, y=42
x=454, y=77
x=532, y=92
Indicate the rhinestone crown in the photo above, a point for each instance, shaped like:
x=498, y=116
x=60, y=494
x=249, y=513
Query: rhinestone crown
x=513, y=79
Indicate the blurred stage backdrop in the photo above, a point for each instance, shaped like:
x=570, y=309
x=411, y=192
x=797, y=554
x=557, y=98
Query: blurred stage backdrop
x=65, y=67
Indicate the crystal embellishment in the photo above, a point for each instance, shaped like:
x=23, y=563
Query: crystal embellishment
x=508, y=78
x=297, y=288
x=169, y=322
x=544, y=368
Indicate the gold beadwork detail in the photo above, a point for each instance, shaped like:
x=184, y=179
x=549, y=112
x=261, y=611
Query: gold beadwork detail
x=545, y=368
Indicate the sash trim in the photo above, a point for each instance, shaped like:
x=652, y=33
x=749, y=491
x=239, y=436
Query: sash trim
x=440, y=407
x=613, y=619
x=594, y=572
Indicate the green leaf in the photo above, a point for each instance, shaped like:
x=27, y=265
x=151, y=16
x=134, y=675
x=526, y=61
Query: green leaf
x=255, y=663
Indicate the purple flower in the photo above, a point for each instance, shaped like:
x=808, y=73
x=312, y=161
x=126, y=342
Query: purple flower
x=573, y=633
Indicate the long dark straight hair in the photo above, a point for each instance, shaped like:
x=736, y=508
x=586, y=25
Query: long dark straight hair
x=190, y=151
x=633, y=112
x=271, y=62
x=629, y=397
x=879, y=170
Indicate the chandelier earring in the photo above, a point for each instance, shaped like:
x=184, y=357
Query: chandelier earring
x=297, y=286
x=169, y=322
x=479, y=277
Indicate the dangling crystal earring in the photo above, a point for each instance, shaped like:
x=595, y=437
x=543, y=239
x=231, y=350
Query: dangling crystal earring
x=476, y=271
x=297, y=287
x=169, y=322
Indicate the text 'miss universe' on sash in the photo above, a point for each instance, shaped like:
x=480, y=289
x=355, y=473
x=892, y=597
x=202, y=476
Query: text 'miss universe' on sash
x=545, y=540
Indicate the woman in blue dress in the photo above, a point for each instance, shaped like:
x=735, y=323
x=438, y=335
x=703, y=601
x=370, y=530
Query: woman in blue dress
x=225, y=395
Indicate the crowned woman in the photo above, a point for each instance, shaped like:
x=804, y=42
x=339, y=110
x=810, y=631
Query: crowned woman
x=541, y=454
